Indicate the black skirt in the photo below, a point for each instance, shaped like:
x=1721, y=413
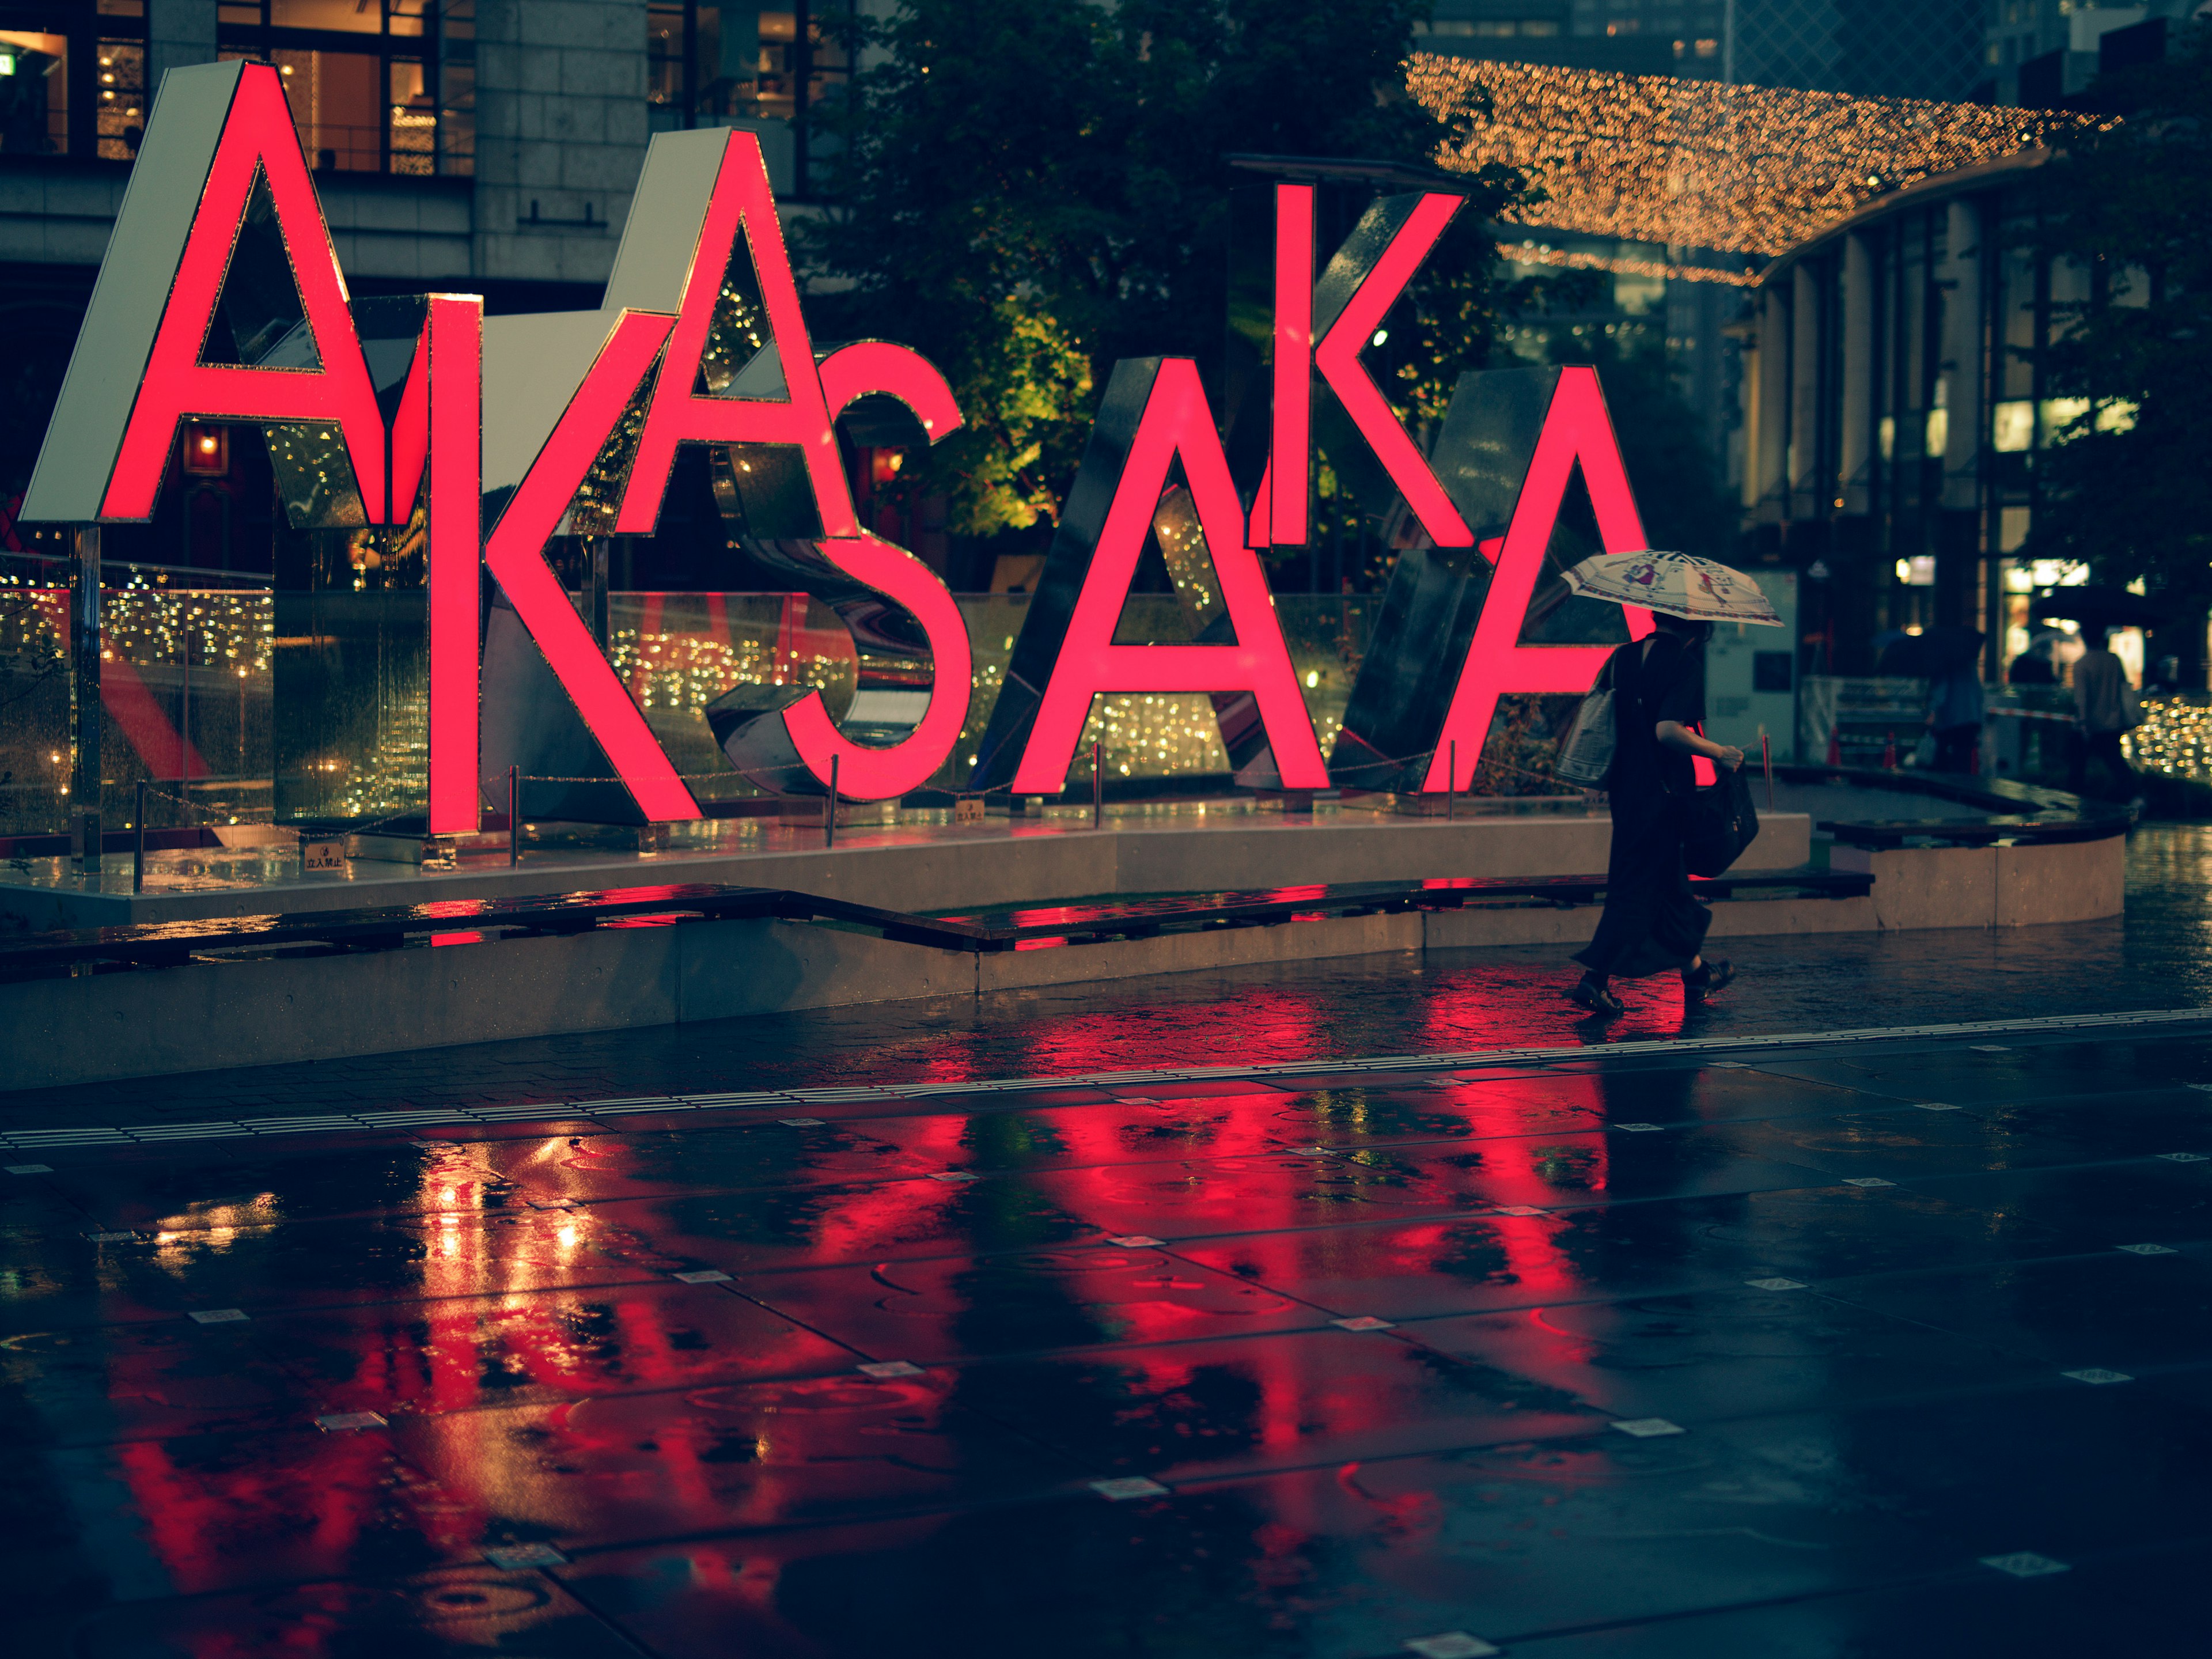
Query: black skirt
x=1651, y=922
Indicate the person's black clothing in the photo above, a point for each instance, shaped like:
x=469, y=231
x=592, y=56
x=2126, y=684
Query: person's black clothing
x=1651, y=923
x=1958, y=749
x=2104, y=747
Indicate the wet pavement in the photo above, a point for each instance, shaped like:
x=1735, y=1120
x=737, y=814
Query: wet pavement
x=1894, y=1346
x=1674, y=1338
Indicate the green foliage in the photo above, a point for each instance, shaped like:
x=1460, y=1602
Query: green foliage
x=1030, y=190
x=2133, y=203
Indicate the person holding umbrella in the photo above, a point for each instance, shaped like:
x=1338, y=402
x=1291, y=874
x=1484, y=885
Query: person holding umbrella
x=1651, y=921
x=2105, y=708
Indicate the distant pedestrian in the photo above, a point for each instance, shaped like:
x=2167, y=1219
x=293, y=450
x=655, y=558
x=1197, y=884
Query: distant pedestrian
x=1954, y=715
x=2106, y=710
x=1652, y=922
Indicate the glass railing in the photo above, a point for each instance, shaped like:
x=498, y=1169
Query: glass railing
x=241, y=704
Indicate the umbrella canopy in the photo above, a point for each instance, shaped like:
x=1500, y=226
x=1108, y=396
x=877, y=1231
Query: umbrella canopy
x=1940, y=650
x=1679, y=584
x=2096, y=604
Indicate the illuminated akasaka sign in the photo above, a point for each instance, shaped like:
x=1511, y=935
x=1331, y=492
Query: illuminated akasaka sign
x=534, y=408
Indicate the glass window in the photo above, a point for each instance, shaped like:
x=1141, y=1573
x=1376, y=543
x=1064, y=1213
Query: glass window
x=398, y=96
x=348, y=16
x=120, y=122
x=33, y=93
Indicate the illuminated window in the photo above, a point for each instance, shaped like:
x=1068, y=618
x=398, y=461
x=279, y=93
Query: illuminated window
x=100, y=49
x=709, y=65
x=384, y=87
x=2012, y=427
x=2059, y=413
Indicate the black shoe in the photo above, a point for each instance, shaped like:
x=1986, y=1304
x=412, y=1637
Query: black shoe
x=1589, y=993
x=1710, y=978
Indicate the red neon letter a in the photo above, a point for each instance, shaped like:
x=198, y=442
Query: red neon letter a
x=1575, y=429
x=742, y=205
x=1176, y=423
x=257, y=136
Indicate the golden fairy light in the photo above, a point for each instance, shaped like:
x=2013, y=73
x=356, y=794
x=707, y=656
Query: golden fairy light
x=1696, y=164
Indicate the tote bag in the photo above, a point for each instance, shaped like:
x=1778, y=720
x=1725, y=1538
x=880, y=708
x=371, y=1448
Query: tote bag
x=1587, y=755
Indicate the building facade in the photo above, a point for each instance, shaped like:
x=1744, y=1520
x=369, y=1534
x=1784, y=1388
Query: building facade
x=1869, y=48
x=1895, y=413
x=490, y=146
x=2041, y=52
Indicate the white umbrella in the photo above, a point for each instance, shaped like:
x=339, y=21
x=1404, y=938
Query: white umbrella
x=1679, y=584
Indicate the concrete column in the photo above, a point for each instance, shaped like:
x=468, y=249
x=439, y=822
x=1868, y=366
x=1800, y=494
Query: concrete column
x=1806, y=484
x=178, y=34
x=1769, y=488
x=1961, y=366
x=560, y=135
x=1855, y=445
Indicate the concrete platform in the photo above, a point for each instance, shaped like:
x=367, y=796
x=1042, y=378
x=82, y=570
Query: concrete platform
x=208, y=1015
x=916, y=867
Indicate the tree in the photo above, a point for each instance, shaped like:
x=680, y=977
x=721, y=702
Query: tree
x=2126, y=488
x=1028, y=190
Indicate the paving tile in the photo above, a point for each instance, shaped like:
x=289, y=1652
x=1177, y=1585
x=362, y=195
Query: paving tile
x=1413, y=1270
x=695, y=1158
x=2130, y=1601
x=455, y=1613
x=825, y=1225
x=2112, y=1310
x=237, y=1184
x=1720, y=1354
x=940, y=1309
x=616, y=1468
x=94, y=1385
x=1192, y=1410
x=456, y=1354
x=199, y=1513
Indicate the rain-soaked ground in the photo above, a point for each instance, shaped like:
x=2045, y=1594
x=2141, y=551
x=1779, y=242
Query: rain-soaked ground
x=1892, y=1346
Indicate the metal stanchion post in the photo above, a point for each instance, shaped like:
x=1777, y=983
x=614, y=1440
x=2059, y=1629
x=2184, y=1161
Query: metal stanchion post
x=597, y=548
x=84, y=700
x=513, y=816
x=138, y=841
x=1098, y=786
x=1767, y=759
x=1451, y=783
x=829, y=808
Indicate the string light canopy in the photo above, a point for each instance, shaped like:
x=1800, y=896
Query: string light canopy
x=1748, y=170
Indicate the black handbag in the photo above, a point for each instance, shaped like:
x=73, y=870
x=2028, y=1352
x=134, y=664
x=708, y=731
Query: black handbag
x=1722, y=823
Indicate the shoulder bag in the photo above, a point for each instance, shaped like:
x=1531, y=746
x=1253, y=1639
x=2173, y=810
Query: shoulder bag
x=1722, y=823
x=1586, y=757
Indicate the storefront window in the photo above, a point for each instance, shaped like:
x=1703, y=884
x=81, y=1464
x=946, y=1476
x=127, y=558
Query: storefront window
x=709, y=65
x=73, y=79
x=33, y=93
x=374, y=85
